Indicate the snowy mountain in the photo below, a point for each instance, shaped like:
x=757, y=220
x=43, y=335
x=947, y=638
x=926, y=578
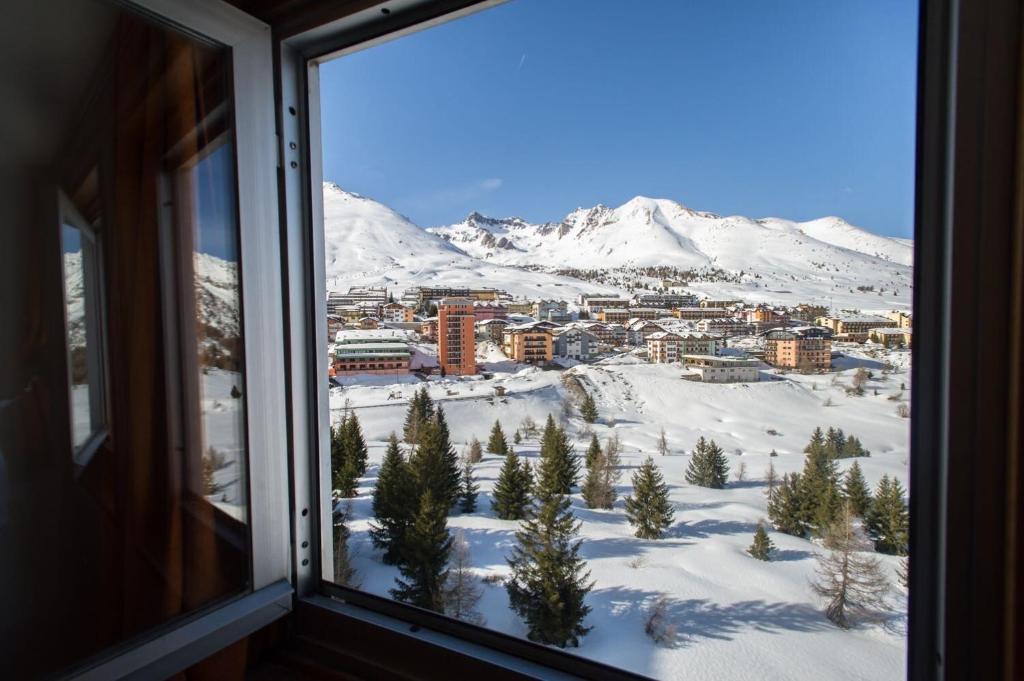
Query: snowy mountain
x=772, y=259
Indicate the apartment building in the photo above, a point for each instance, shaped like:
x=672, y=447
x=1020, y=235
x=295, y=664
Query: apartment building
x=396, y=312
x=594, y=304
x=853, y=327
x=724, y=326
x=725, y=303
x=807, y=348
x=695, y=313
x=551, y=310
x=456, y=340
x=424, y=295
x=904, y=320
x=378, y=352
x=519, y=306
x=891, y=337
x=491, y=329
x=713, y=369
x=622, y=315
x=666, y=347
x=665, y=301
x=575, y=343
x=529, y=343
x=637, y=330
x=489, y=309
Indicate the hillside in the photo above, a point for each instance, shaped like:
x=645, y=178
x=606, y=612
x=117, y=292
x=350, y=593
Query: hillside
x=770, y=260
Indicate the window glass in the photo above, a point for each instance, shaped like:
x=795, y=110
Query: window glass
x=646, y=277
x=122, y=239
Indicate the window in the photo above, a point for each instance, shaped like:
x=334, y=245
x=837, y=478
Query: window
x=529, y=111
x=83, y=300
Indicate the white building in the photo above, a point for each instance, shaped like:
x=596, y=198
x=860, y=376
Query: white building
x=713, y=369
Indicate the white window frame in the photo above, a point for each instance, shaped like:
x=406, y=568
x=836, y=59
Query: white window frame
x=95, y=330
x=174, y=647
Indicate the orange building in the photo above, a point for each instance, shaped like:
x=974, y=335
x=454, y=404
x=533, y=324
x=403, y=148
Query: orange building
x=530, y=343
x=807, y=348
x=456, y=342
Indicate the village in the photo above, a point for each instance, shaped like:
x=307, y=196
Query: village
x=449, y=331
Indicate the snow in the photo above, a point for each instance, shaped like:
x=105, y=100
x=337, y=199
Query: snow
x=738, y=618
x=769, y=260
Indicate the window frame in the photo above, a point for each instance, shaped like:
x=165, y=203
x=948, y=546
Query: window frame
x=94, y=320
x=184, y=641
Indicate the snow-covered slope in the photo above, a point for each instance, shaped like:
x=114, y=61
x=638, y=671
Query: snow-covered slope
x=771, y=259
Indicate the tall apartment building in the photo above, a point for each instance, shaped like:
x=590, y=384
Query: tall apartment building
x=456, y=342
x=808, y=348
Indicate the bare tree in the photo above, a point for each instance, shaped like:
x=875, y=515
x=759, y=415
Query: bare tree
x=771, y=479
x=741, y=471
x=902, y=410
x=659, y=625
x=860, y=379
x=528, y=426
x=662, y=443
x=461, y=592
x=599, y=487
x=849, y=579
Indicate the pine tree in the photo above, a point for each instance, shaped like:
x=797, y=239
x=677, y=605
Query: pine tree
x=762, y=546
x=511, y=491
x=461, y=592
x=430, y=465
x=662, y=443
x=467, y=497
x=549, y=581
x=851, y=583
x=425, y=552
x=354, y=443
x=453, y=472
x=476, y=453
x=497, y=443
x=835, y=441
x=517, y=438
x=528, y=479
x=599, y=487
x=344, y=467
x=649, y=509
x=856, y=492
x=593, y=452
x=344, y=573
x=853, y=448
x=784, y=507
x=394, y=503
x=708, y=465
x=559, y=465
x=421, y=410
x=819, y=486
x=889, y=520
x=588, y=409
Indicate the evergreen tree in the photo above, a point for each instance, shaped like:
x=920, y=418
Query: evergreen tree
x=517, y=438
x=856, y=492
x=430, y=465
x=603, y=474
x=819, y=486
x=424, y=558
x=344, y=573
x=511, y=491
x=394, y=503
x=453, y=472
x=853, y=448
x=344, y=468
x=467, y=498
x=784, y=507
x=354, y=444
x=497, y=443
x=559, y=465
x=835, y=441
x=528, y=479
x=549, y=581
x=588, y=408
x=708, y=465
x=817, y=441
x=421, y=410
x=593, y=452
x=851, y=583
x=889, y=520
x=762, y=546
x=648, y=509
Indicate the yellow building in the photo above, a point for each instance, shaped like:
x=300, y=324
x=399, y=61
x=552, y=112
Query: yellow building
x=527, y=343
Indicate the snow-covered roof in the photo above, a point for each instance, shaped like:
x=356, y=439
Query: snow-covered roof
x=370, y=335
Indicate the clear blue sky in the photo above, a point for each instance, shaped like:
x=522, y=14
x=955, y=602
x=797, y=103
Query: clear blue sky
x=787, y=108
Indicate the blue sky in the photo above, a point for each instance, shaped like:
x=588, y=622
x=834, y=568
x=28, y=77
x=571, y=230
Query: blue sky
x=795, y=109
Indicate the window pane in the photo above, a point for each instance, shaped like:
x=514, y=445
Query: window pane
x=75, y=292
x=132, y=276
x=654, y=268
